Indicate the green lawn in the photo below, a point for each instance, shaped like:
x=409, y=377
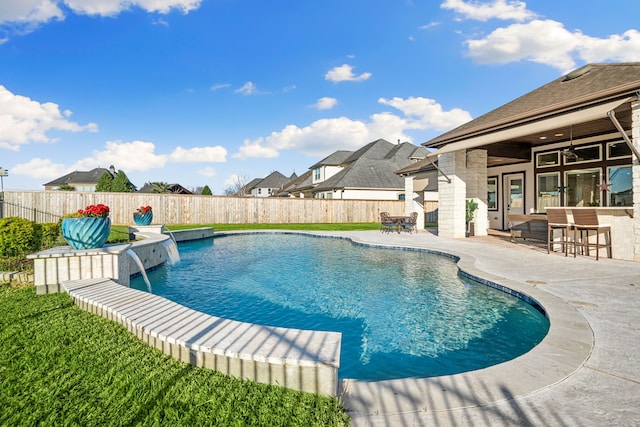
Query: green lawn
x=60, y=365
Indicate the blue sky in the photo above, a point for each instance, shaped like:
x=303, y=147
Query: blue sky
x=205, y=91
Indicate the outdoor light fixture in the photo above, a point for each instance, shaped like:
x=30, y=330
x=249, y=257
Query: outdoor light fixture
x=570, y=153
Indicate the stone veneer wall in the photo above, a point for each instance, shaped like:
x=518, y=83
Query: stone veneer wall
x=452, y=196
x=635, y=138
x=476, y=179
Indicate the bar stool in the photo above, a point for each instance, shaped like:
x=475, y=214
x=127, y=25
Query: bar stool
x=586, y=220
x=557, y=220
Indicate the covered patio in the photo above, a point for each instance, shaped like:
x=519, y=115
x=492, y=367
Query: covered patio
x=572, y=143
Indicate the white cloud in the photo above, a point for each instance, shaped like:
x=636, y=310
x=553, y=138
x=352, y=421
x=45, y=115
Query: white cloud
x=497, y=9
x=26, y=15
x=429, y=25
x=424, y=113
x=549, y=42
x=247, y=89
x=220, y=86
x=217, y=154
x=23, y=120
x=255, y=149
x=114, y=7
x=128, y=156
x=342, y=133
x=209, y=172
x=41, y=169
x=29, y=12
x=344, y=73
x=325, y=103
x=624, y=47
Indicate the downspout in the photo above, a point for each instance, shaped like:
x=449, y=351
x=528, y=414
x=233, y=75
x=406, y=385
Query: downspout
x=616, y=123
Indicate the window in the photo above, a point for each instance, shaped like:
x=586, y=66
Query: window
x=583, y=187
x=316, y=174
x=401, y=197
x=616, y=150
x=545, y=160
x=620, y=186
x=492, y=193
x=585, y=154
x=548, y=191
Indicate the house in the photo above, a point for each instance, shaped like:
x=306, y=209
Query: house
x=269, y=186
x=574, y=142
x=80, y=180
x=171, y=189
x=367, y=173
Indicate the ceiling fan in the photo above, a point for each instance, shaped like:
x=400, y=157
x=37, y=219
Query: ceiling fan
x=570, y=153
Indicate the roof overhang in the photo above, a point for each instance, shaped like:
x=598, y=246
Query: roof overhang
x=571, y=118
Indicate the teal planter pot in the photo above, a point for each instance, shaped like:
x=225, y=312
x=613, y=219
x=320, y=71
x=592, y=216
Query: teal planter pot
x=143, y=219
x=86, y=233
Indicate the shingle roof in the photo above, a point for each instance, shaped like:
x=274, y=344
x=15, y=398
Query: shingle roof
x=372, y=166
x=587, y=85
x=273, y=180
x=334, y=159
x=79, y=177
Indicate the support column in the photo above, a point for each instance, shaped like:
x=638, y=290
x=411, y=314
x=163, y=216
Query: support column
x=452, y=196
x=635, y=138
x=476, y=179
x=410, y=203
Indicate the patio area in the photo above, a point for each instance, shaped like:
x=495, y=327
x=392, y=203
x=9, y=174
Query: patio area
x=604, y=389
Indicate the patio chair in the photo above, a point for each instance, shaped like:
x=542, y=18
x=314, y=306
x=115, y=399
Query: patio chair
x=386, y=223
x=557, y=220
x=585, y=221
x=409, y=223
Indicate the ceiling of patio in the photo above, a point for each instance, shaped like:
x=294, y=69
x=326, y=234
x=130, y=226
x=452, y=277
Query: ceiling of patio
x=518, y=150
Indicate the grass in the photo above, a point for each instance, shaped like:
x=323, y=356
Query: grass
x=60, y=365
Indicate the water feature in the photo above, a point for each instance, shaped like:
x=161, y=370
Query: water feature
x=401, y=313
x=134, y=256
x=173, y=256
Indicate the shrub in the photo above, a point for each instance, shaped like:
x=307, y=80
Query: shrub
x=50, y=234
x=18, y=237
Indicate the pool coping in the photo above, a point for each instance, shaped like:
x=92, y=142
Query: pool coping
x=562, y=352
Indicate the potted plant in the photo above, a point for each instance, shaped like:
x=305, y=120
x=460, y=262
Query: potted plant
x=471, y=207
x=143, y=215
x=89, y=228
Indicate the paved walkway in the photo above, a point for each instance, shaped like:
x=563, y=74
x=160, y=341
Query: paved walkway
x=587, y=375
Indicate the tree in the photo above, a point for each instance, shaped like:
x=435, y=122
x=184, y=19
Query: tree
x=104, y=183
x=160, y=187
x=121, y=183
x=206, y=191
x=66, y=187
x=237, y=187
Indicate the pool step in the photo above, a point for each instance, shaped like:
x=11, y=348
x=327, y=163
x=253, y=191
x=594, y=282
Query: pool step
x=298, y=359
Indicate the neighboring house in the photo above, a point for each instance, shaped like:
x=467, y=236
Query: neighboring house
x=300, y=181
x=80, y=180
x=367, y=173
x=574, y=142
x=172, y=188
x=271, y=185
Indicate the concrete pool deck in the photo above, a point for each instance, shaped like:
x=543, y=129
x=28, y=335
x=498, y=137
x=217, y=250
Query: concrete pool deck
x=593, y=379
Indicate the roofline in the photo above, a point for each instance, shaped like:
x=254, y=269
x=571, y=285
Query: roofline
x=533, y=115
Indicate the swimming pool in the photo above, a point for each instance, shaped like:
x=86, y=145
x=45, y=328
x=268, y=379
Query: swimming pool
x=402, y=313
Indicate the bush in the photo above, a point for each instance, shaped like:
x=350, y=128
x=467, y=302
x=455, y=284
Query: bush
x=51, y=234
x=19, y=237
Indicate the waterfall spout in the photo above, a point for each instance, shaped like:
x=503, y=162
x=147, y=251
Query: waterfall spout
x=137, y=260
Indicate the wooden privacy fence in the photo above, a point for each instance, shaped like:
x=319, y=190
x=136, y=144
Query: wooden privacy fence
x=48, y=206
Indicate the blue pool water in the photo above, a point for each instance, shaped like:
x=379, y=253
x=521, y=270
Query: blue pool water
x=401, y=313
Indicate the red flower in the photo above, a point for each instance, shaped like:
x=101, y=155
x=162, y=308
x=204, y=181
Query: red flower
x=95, y=211
x=143, y=209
